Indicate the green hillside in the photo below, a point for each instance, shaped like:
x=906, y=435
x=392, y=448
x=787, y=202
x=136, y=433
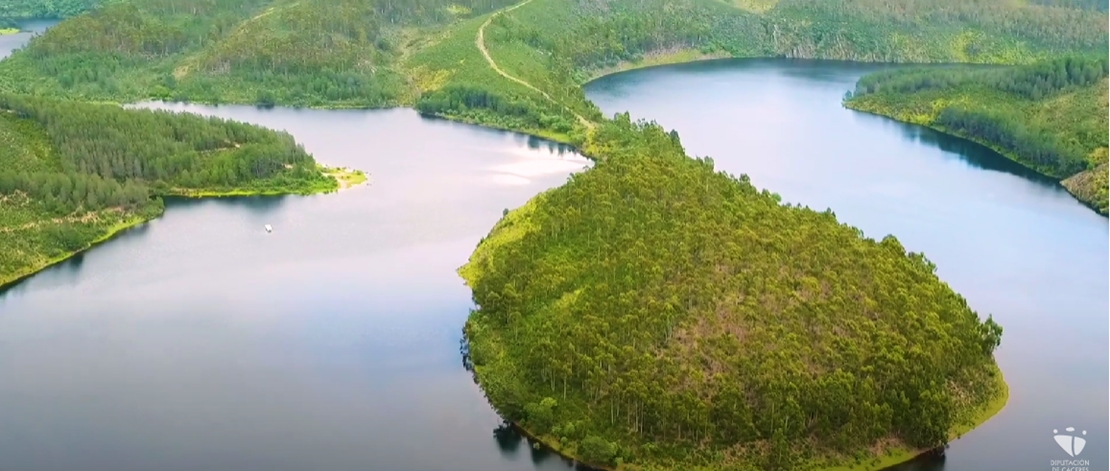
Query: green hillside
x=12, y=11
x=347, y=53
x=1051, y=116
x=72, y=174
x=657, y=314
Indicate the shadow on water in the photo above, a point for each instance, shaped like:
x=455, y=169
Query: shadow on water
x=508, y=440
x=254, y=204
x=509, y=436
x=929, y=461
x=66, y=272
x=972, y=153
x=533, y=142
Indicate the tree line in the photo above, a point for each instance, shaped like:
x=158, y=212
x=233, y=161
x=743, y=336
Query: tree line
x=72, y=172
x=164, y=148
x=1034, y=82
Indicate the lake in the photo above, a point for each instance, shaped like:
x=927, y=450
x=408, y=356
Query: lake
x=199, y=341
x=11, y=42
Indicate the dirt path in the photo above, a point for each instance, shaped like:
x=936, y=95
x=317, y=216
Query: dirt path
x=480, y=41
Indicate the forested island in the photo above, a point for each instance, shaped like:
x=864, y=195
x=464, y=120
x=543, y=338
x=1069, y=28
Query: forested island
x=655, y=314
x=1050, y=116
x=73, y=174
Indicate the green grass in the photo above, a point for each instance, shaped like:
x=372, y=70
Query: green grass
x=33, y=241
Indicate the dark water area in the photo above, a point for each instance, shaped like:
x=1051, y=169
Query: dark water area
x=1015, y=244
x=10, y=42
x=200, y=341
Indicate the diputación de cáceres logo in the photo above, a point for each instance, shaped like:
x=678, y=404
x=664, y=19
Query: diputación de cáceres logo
x=1073, y=445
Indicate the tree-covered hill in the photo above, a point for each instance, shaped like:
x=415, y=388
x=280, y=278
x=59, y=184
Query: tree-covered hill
x=346, y=53
x=654, y=313
x=74, y=173
x=1050, y=116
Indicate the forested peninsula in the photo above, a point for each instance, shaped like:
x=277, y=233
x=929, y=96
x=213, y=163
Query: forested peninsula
x=72, y=174
x=654, y=314
x=1050, y=116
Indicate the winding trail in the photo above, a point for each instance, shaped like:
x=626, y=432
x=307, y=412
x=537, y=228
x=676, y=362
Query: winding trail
x=480, y=41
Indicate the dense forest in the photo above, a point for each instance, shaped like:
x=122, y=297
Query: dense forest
x=72, y=173
x=347, y=53
x=14, y=10
x=1050, y=116
x=654, y=312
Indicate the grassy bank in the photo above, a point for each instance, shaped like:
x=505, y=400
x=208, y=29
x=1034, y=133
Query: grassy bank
x=9, y=279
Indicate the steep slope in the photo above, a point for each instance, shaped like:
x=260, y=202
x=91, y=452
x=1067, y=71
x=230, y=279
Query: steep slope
x=1050, y=116
x=294, y=52
x=654, y=313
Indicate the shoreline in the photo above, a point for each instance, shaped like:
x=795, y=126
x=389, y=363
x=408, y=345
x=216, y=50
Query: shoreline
x=998, y=150
x=895, y=457
x=113, y=231
x=344, y=179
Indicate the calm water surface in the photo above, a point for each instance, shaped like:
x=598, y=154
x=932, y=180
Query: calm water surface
x=11, y=42
x=199, y=341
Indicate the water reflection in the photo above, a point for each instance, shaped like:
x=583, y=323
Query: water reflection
x=260, y=205
x=974, y=154
x=10, y=43
x=68, y=271
x=931, y=461
x=508, y=440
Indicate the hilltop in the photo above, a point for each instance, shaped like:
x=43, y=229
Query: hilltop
x=654, y=314
x=1050, y=116
x=72, y=174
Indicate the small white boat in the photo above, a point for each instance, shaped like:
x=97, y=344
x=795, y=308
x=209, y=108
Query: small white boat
x=269, y=229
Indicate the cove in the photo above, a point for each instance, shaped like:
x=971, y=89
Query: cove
x=10, y=42
x=198, y=341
